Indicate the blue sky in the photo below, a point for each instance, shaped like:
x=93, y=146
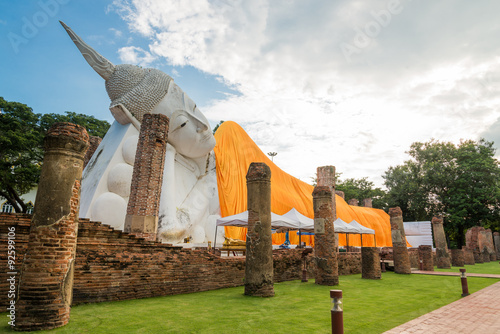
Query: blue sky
x=345, y=83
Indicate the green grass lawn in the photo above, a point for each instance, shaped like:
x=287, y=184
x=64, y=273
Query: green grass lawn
x=479, y=268
x=370, y=306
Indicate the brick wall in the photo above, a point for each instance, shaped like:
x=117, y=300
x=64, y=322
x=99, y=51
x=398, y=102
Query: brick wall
x=112, y=265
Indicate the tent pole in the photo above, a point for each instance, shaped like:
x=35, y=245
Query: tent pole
x=215, y=239
x=347, y=239
x=300, y=239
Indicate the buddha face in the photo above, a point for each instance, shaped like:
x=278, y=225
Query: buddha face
x=189, y=131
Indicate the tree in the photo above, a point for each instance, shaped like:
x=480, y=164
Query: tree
x=361, y=189
x=459, y=182
x=217, y=126
x=21, y=146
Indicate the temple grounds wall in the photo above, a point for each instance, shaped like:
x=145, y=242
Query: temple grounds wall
x=112, y=265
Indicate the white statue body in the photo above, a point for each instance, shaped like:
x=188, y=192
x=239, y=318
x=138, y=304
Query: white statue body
x=189, y=203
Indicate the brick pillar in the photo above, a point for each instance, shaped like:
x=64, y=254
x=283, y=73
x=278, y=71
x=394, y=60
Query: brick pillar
x=490, y=245
x=468, y=256
x=399, y=250
x=457, y=258
x=340, y=193
x=367, y=203
x=46, y=281
x=326, y=177
x=94, y=142
x=353, y=202
x=425, y=255
x=370, y=263
x=496, y=240
x=472, y=240
x=259, y=246
x=442, y=255
x=325, y=253
x=147, y=177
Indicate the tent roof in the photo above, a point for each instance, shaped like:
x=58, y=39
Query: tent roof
x=340, y=226
x=305, y=223
x=362, y=229
x=241, y=220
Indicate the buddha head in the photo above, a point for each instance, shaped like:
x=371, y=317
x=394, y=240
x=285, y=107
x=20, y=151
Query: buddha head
x=135, y=91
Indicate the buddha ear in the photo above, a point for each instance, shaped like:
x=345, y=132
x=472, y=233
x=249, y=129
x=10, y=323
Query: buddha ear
x=123, y=116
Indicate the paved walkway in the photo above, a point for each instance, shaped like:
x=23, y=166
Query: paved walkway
x=476, y=313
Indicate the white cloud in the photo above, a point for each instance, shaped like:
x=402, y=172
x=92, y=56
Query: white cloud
x=117, y=33
x=429, y=70
x=135, y=55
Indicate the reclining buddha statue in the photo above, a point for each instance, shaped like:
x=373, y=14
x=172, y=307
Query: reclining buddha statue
x=189, y=200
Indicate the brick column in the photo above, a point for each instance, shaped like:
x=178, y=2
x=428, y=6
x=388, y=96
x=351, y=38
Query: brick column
x=367, y=203
x=468, y=256
x=370, y=263
x=326, y=177
x=94, y=142
x=399, y=250
x=473, y=243
x=496, y=239
x=147, y=177
x=490, y=245
x=46, y=282
x=325, y=253
x=442, y=255
x=457, y=258
x=353, y=202
x=259, y=246
x=425, y=255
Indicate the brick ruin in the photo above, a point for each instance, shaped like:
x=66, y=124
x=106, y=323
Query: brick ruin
x=112, y=265
x=480, y=242
x=45, y=295
x=400, y=252
x=259, y=244
x=442, y=256
x=145, y=190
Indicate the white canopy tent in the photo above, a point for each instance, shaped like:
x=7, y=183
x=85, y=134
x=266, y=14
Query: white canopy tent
x=241, y=220
x=363, y=230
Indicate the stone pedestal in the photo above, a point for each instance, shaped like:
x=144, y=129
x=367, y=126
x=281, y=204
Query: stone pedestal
x=370, y=263
x=46, y=282
x=468, y=256
x=442, y=256
x=457, y=258
x=425, y=255
x=259, y=247
x=145, y=190
x=325, y=254
x=399, y=250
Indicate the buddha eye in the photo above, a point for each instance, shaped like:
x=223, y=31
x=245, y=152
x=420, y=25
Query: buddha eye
x=183, y=124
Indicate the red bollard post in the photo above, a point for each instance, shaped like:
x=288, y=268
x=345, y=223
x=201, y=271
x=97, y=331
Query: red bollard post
x=337, y=312
x=465, y=286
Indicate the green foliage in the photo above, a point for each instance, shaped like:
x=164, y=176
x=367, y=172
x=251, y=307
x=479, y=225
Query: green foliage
x=217, y=126
x=370, y=306
x=361, y=189
x=459, y=182
x=21, y=146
